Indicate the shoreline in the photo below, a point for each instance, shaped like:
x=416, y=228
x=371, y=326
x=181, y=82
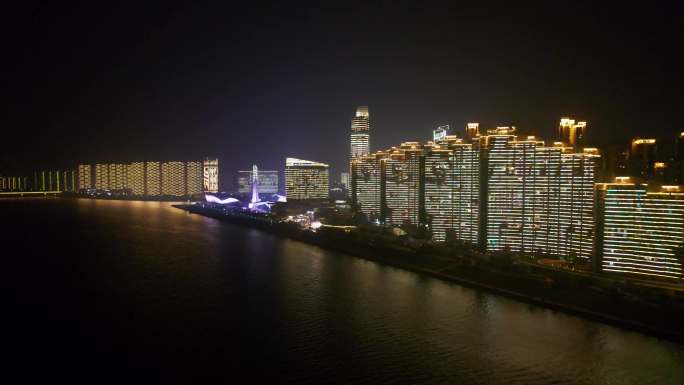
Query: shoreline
x=669, y=334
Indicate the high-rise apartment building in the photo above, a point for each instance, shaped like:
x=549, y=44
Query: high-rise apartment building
x=267, y=181
x=135, y=178
x=367, y=185
x=642, y=158
x=211, y=172
x=452, y=190
x=402, y=174
x=173, y=178
x=117, y=176
x=572, y=133
x=153, y=179
x=540, y=199
x=85, y=176
x=305, y=179
x=102, y=176
x=360, y=133
x=194, y=178
x=640, y=232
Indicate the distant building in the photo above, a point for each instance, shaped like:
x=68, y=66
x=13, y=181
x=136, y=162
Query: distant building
x=85, y=176
x=13, y=183
x=173, y=179
x=117, y=176
x=267, y=181
x=572, y=133
x=344, y=180
x=153, y=179
x=640, y=232
x=135, y=178
x=194, y=177
x=642, y=158
x=211, y=175
x=472, y=131
x=360, y=133
x=102, y=176
x=306, y=179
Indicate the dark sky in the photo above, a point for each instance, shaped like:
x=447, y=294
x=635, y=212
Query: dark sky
x=254, y=84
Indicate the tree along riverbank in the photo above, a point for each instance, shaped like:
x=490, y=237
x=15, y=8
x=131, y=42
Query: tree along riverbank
x=648, y=308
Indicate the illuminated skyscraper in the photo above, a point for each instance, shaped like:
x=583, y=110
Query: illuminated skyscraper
x=153, y=179
x=402, y=173
x=211, y=170
x=305, y=179
x=540, y=199
x=572, y=133
x=102, y=176
x=173, y=179
x=85, y=176
x=642, y=158
x=452, y=180
x=367, y=184
x=117, y=176
x=472, y=131
x=194, y=178
x=267, y=181
x=135, y=178
x=641, y=232
x=360, y=133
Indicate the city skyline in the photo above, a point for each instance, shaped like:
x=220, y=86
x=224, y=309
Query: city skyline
x=420, y=68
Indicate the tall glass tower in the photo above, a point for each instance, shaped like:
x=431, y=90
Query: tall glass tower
x=360, y=130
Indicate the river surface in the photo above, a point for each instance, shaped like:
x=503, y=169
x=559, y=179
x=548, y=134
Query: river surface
x=130, y=292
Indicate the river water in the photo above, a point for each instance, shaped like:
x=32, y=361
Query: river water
x=118, y=291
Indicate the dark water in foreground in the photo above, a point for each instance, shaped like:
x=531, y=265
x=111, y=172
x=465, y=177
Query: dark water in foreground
x=101, y=291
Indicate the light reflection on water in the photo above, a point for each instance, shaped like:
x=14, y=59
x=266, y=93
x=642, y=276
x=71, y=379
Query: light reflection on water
x=206, y=290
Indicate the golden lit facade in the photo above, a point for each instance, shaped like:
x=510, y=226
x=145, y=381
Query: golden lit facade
x=642, y=158
x=117, y=176
x=153, y=179
x=85, y=176
x=135, y=178
x=194, y=178
x=402, y=173
x=102, y=176
x=452, y=188
x=572, y=133
x=367, y=184
x=305, y=179
x=173, y=179
x=210, y=177
x=540, y=199
x=472, y=131
x=642, y=232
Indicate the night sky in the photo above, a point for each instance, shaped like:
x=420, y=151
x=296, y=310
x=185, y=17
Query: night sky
x=89, y=83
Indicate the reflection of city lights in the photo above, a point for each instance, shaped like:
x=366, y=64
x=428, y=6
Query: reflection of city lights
x=316, y=225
